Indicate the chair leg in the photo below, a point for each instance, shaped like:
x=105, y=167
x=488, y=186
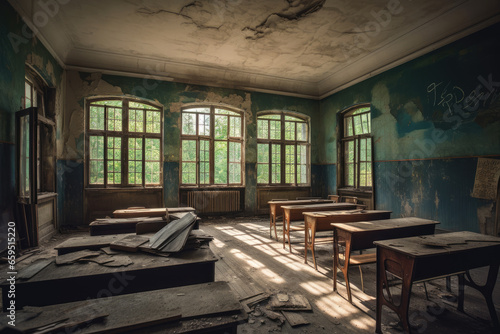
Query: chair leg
x=426, y=294
x=361, y=275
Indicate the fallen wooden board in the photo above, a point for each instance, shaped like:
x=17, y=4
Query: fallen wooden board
x=149, y=212
x=294, y=303
x=34, y=268
x=295, y=319
x=118, y=261
x=130, y=243
x=140, y=310
x=173, y=237
x=87, y=242
x=75, y=256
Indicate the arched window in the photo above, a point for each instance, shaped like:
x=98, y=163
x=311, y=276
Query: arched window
x=357, y=148
x=212, y=146
x=282, y=149
x=123, y=143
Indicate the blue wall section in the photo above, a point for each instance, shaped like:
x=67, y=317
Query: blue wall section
x=171, y=183
x=70, y=193
x=431, y=119
x=7, y=189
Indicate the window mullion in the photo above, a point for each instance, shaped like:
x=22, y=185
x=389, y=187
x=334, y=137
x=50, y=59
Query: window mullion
x=283, y=150
x=125, y=138
x=212, y=146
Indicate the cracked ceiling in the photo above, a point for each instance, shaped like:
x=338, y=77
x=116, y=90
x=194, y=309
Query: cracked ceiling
x=307, y=48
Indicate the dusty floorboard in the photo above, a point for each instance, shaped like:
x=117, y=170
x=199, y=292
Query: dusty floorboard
x=251, y=263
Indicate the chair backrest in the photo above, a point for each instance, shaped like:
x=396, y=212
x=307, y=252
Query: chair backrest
x=334, y=198
x=350, y=199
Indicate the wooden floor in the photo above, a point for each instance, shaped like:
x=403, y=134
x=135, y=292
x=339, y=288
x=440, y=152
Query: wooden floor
x=252, y=263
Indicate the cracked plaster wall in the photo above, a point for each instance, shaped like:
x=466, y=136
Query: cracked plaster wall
x=431, y=119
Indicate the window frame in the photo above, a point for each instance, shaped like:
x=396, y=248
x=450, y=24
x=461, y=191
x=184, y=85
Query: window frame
x=124, y=134
x=356, y=140
x=211, y=138
x=283, y=142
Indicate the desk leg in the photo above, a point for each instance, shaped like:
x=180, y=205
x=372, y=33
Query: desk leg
x=271, y=224
x=335, y=259
x=286, y=232
x=486, y=290
x=400, y=266
x=345, y=268
x=310, y=233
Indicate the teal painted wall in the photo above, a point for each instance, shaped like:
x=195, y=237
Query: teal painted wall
x=18, y=46
x=431, y=119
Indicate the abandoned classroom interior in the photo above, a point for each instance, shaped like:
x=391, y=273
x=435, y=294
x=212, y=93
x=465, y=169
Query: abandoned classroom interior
x=227, y=106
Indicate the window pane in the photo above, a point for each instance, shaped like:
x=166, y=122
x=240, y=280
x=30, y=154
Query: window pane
x=220, y=127
x=24, y=158
x=291, y=118
x=96, y=118
x=112, y=103
x=204, y=155
x=152, y=164
x=197, y=110
x=136, y=120
x=289, y=130
x=263, y=173
x=204, y=125
x=262, y=153
x=235, y=127
x=270, y=116
x=189, y=173
x=289, y=164
x=189, y=150
x=135, y=161
x=275, y=129
x=114, y=118
x=220, y=163
x=96, y=159
x=137, y=105
x=114, y=160
x=357, y=125
x=225, y=112
x=234, y=162
x=348, y=130
x=302, y=131
x=275, y=163
x=301, y=164
x=153, y=121
x=188, y=124
x=263, y=129
x=28, y=97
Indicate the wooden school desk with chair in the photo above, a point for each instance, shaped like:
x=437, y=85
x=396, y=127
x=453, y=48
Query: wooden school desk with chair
x=295, y=213
x=361, y=235
x=275, y=210
x=422, y=258
x=322, y=221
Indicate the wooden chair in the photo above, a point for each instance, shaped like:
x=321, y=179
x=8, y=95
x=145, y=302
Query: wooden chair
x=334, y=198
x=350, y=199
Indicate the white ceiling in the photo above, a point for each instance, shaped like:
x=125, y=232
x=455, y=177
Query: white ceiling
x=307, y=48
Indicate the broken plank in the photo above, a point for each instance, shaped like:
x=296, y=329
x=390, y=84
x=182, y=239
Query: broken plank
x=294, y=303
x=75, y=256
x=87, y=242
x=34, y=268
x=295, y=319
x=130, y=243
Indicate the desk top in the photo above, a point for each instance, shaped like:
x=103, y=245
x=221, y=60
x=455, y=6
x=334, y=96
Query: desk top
x=149, y=212
x=341, y=206
x=346, y=212
x=385, y=224
x=141, y=261
x=300, y=202
x=438, y=244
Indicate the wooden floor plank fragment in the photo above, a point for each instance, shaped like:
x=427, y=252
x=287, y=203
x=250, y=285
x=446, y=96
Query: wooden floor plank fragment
x=295, y=302
x=34, y=268
x=295, y=319
x=129, y=243
x=75, y=256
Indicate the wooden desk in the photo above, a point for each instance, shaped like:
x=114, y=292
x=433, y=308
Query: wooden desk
x=322, y=221
x=60, y=284
x=295, y=212
x=276, y=211
x=149, y=212
x=208, y=308
x=361, y=235
x=421, y=258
